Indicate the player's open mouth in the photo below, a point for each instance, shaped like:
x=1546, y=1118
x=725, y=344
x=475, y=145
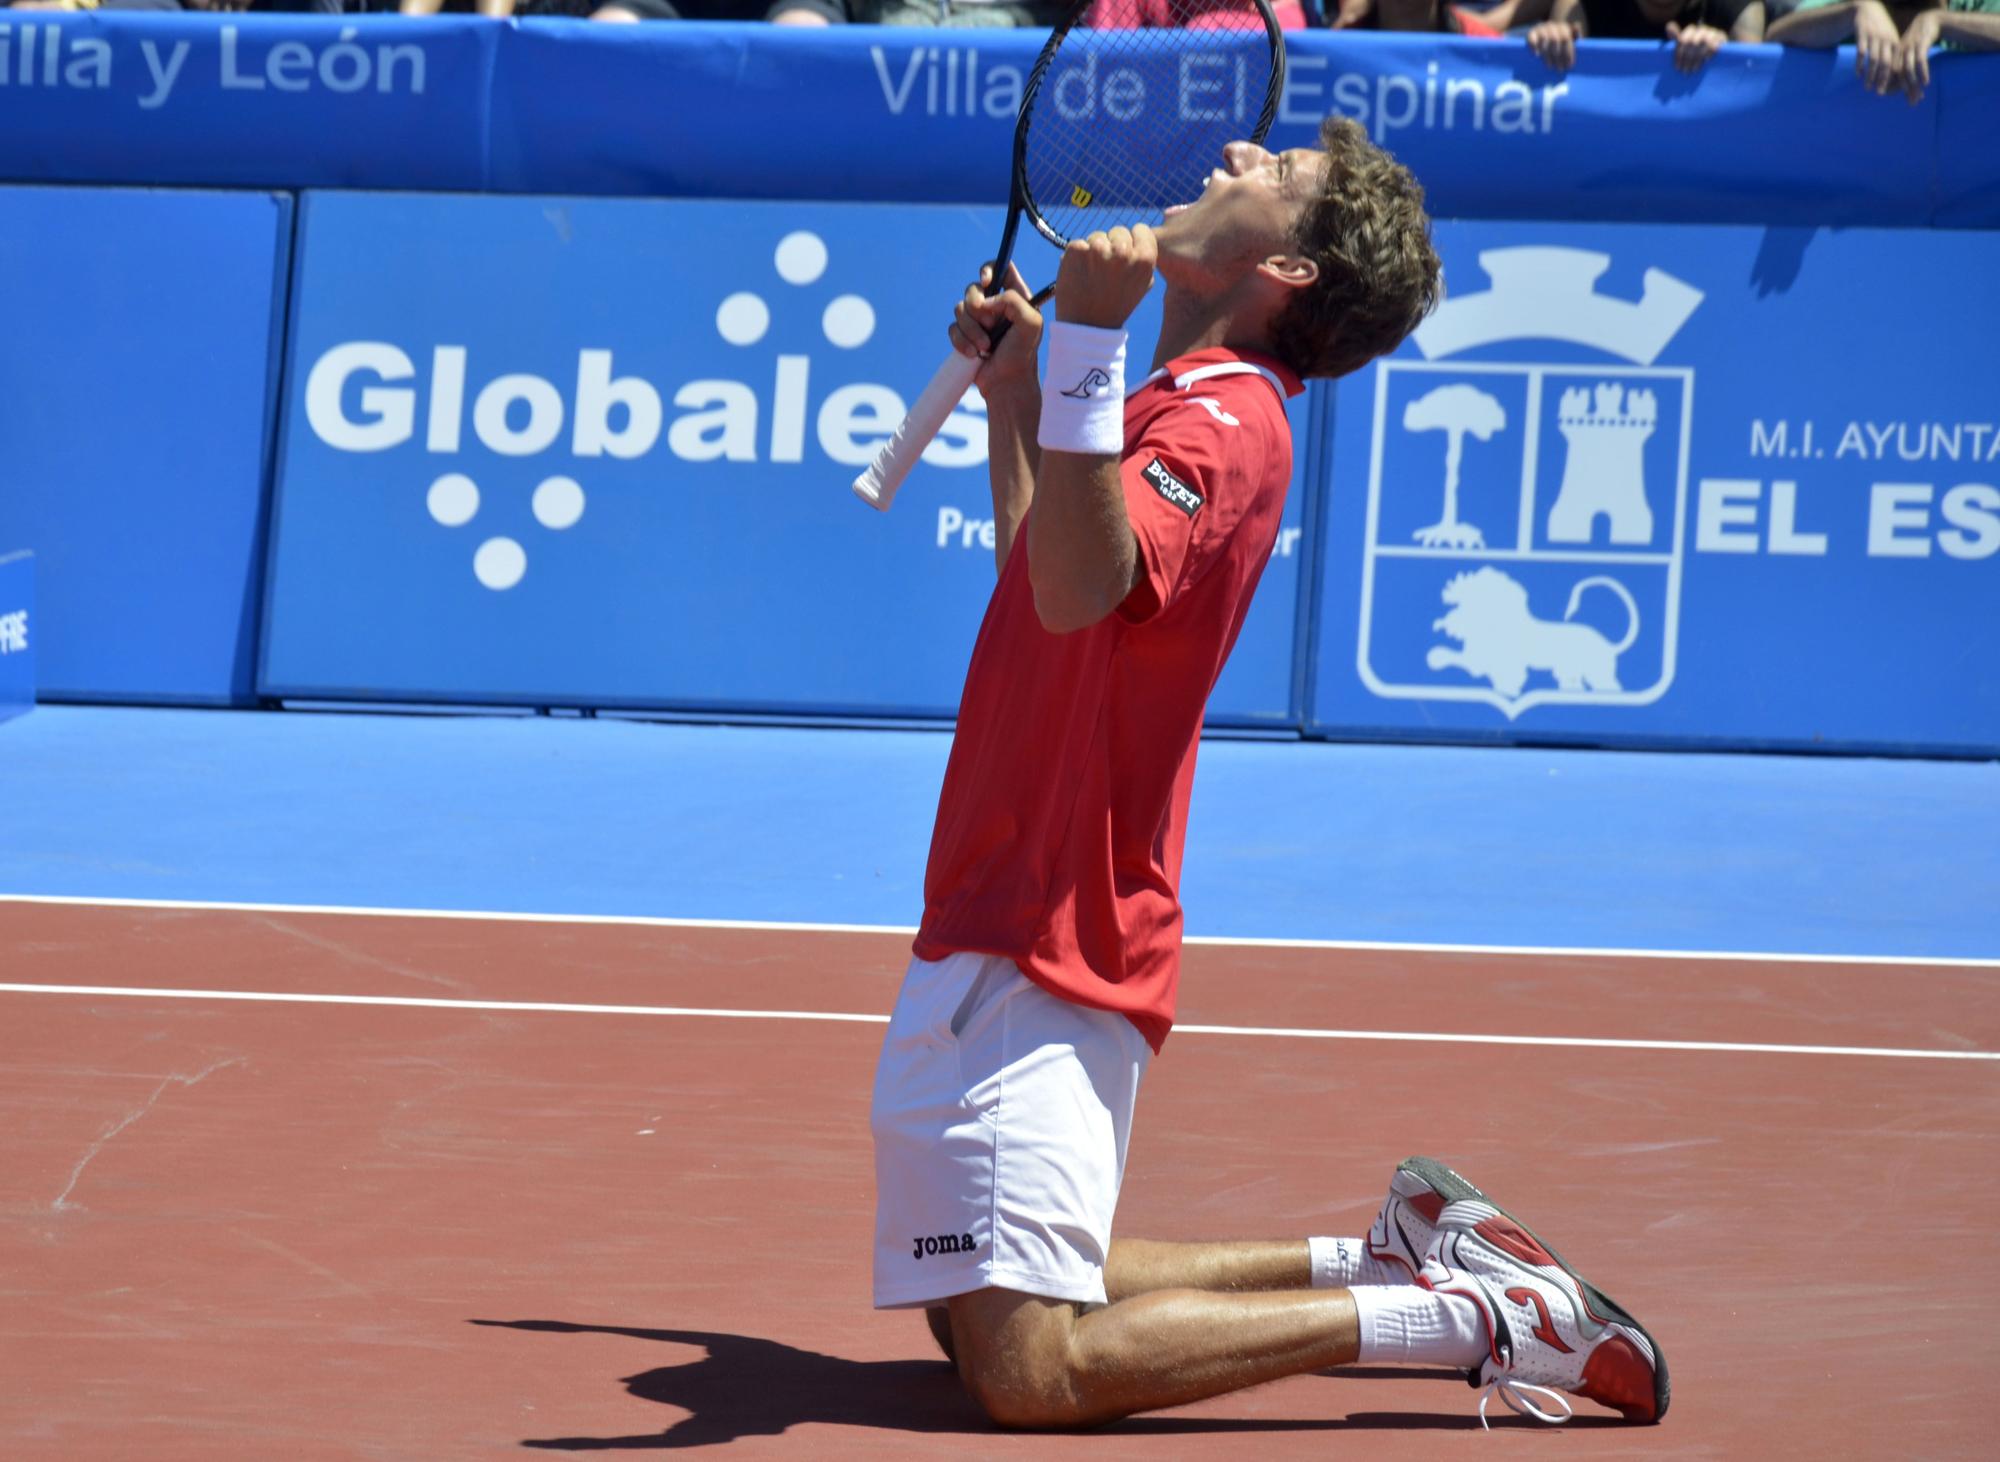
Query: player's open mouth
x=1172, y=208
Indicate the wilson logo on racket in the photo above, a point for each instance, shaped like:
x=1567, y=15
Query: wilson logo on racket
x=1172, y=488
x=1081, y=196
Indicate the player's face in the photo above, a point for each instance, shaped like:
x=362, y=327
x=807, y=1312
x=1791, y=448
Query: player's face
x=1246, y=212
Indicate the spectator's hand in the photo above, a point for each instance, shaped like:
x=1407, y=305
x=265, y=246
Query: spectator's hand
x=1012, y=363
x=1555, y=42
x=1878, y=50
x=1694, y=45
x=1351, y=13
x=1922, y=34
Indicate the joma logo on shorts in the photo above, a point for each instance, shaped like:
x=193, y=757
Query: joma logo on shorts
x=944, y=1244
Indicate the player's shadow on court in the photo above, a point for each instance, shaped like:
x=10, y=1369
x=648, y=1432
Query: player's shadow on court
x=749, y=1387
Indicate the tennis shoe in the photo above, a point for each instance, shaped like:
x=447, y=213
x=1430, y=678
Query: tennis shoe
x=1418, y=1193
x=1548, y=1330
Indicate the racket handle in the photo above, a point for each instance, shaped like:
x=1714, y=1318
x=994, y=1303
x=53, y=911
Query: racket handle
x=877, y=486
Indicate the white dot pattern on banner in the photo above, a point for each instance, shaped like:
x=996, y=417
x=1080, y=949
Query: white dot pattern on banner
x=558, y=502
x=801, y=257
x=743, y=318
x=849, y=321
x=500, y=563
x=453, y=499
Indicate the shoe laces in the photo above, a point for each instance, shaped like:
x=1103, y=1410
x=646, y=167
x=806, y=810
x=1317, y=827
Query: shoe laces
x=1515, y=1394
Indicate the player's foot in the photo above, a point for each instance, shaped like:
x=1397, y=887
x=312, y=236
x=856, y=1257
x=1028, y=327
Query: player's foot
x=1546, y=1326
x=1418, y=1192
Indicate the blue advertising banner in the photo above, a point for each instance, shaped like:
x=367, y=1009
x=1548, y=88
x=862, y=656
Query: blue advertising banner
x=253, y=101
x=1639, y=485
x=18, y=633
x=597, y=453
x=1761, y=134
x=137, y=389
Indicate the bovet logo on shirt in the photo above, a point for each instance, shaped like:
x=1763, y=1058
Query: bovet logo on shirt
x=1172, y=488
x=934, y=1244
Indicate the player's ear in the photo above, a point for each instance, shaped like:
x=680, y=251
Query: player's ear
x=1295, y=271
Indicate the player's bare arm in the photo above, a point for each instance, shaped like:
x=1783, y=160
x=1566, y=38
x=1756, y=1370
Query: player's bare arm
x=1082, y=556
x=1013, y=395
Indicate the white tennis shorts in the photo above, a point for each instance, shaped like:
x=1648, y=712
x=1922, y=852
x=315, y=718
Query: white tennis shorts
x=1001, y=1119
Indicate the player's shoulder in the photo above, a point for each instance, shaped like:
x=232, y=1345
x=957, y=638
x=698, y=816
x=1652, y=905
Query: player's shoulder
x=1209, y=379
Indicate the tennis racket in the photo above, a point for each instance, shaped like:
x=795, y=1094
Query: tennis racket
x=1124, y=115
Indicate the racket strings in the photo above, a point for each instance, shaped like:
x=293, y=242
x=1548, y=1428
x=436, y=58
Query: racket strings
x=1130, y=121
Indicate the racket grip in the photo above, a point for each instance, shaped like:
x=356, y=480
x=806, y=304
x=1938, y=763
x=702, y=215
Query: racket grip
x=893, y=460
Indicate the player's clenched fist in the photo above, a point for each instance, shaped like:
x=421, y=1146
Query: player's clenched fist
x=975, y=320
x=1105, y=275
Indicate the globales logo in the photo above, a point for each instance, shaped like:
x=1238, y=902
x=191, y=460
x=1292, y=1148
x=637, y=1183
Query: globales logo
x=369, y=396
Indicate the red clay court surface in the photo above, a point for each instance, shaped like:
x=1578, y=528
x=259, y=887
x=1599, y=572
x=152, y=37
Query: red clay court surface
x=293, y=1230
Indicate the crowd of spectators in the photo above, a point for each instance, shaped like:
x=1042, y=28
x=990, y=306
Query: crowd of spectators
x=1893, y=39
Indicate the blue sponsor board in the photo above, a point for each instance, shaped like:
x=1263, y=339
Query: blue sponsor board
x=18, y=633
x=596, y=453
x=1760, y=134
x=262, y=101
x=1647, y=485
x=137, y=391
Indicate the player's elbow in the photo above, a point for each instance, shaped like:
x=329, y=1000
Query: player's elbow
x=1065, y=608
x=1074, y=591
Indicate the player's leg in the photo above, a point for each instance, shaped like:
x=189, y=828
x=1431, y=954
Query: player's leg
x=1037, y=1362
x=1492, y=1298
x=1140, y=1266
x=1391, y=1252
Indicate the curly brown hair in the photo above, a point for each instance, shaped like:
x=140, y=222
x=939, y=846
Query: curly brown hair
x=1378, y=275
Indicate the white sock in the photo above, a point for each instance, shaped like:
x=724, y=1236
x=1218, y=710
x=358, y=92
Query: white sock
x=1344, y=1263
x=1404, y=1325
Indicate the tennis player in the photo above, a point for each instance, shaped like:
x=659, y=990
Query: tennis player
x=1133, y=519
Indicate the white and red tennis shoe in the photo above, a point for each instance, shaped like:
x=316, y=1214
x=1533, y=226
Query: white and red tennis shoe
x=1546, y=1326
x=1418, y=1193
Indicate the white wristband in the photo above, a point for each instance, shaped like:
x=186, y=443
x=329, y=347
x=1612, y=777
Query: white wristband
x=1083, y=395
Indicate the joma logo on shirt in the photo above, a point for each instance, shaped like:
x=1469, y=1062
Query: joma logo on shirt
x=1172, y=488
x=944, y=1244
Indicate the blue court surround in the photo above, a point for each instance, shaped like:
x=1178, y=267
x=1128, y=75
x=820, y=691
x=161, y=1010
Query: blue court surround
x=1316, y=841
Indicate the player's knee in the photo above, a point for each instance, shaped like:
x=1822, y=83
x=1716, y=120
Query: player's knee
x=1014, y=1355
x=1022, y=1398
x=939, y=1319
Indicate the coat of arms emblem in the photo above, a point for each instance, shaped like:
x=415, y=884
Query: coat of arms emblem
x=1525, y=519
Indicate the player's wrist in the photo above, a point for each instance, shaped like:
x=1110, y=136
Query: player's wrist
x=1083, y=409
x=1014, y=394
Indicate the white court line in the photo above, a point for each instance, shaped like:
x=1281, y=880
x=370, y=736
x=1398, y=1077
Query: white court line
x=1295, y=1032
x=640, y=921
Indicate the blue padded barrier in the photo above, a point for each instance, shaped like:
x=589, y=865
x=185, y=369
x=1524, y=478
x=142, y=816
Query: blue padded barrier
x=1761, y=134
x=628, y=487
x=19, y=631
x=137, y=380
x=1805, y=599
x=1645, y=485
